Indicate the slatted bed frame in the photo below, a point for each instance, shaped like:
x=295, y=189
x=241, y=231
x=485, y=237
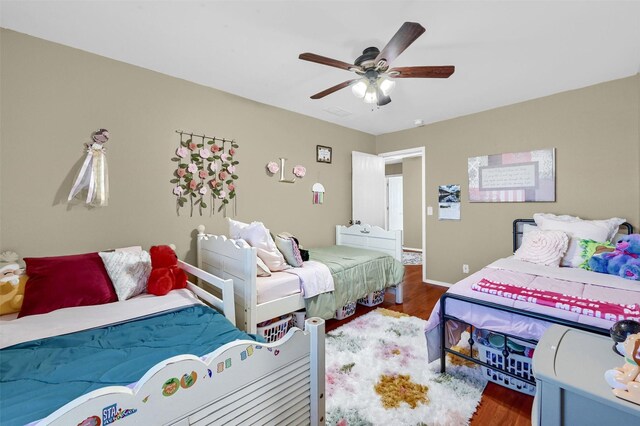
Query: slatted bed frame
x=221, y=257
x=444, y=317
x=240, y=383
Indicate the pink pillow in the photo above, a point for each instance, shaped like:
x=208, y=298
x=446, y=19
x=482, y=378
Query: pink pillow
x=64, y=282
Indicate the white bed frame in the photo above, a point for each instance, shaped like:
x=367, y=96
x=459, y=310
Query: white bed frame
x=223, y=258
x=240, y=383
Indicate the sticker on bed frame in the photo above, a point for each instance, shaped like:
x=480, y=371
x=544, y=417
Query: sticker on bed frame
x=188, y=380
x=246, y=353
x=223, y=365
x=112, y=413
x=170, y=387
x=91, y=421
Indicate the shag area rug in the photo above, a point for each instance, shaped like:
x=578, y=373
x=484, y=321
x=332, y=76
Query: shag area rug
x=411, y=258
x=377, y=374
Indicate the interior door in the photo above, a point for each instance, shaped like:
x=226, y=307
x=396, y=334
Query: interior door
x=395, y=219
x=368, y=189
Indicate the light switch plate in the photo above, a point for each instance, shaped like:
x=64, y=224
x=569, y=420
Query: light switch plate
x=429, y=211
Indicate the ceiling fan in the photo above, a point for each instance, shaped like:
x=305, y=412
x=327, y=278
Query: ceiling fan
x=376, y=79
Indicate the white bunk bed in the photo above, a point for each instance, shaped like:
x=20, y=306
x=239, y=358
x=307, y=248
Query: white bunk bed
x=284, y=383
x=223, y=258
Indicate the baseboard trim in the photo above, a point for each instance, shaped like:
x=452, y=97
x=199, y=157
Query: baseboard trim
x=440, y=283
x=419, y=250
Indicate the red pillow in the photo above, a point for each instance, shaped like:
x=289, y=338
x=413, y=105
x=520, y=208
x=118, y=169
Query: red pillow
x=64, y=282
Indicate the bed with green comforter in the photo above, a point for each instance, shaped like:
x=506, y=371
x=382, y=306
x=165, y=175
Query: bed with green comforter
x=356, y=272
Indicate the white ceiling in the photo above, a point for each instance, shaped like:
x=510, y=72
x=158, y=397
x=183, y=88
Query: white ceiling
x=504, y=51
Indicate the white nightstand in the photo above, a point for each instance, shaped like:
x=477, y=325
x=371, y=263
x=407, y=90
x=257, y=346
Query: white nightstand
x=569, y=367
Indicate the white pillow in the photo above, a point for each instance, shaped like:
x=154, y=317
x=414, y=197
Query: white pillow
x=578, y=229
x=261, y=270
x=543, y=247
x=259, y=237
x=129, y=271
x=289, y=249
x=235, y=228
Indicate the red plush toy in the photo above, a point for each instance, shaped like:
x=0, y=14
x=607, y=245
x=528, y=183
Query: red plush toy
x=165, y=274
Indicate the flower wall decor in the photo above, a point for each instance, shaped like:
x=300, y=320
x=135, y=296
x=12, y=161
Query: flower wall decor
x=206, y=172
x=273, y=168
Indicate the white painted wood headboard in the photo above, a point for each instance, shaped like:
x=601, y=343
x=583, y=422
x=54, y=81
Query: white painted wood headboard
x=370, y=237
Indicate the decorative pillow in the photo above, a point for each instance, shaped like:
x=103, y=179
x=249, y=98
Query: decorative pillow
x=129, y=271
x=12, y=294
x=64, y=282
x=235, y=228
x=543, y=247
x=289, y=248
x=259, y=237
x=262, y=270
x=588, y=248
x=578, y=229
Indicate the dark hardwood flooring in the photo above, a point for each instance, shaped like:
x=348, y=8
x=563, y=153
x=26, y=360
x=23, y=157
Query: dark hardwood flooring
x=499, y=405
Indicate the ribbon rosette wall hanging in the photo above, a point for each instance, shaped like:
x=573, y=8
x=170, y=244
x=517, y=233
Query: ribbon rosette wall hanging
x=206, y=173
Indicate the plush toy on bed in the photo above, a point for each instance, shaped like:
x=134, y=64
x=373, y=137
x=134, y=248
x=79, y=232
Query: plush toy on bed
x=625, y=380
x=623, y=261
x=165, y=274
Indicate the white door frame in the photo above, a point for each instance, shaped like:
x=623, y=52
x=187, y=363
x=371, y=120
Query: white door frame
x=415, y=152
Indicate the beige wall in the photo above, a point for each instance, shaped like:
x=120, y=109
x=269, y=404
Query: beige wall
x=53, y=97
x=412, y=202
x=595, y=131
x=393, y=169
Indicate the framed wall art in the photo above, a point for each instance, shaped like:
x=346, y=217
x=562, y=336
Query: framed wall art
x=513, y=177
x=323, y=154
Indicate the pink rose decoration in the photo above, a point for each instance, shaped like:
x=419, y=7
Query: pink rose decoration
x=178, y=190
x=222, y=175
x=182, y=152
x=215, y=148
x=193, y=184
x=181, y=172
x=193, y=146
x=231, y=187
x=203, y=174
x=192, y=167
x=299, y=171
x=222, y=194
x=273, y=167
x=205, y=153
x=213, y=183
x=213, y=167
x=232, y=151
x=203, y=190
x=224, y=157
x=231, y=169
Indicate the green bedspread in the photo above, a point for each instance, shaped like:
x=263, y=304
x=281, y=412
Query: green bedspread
x=356, y=272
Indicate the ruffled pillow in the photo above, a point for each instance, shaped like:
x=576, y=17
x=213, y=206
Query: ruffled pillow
x=259, y=237
x=543, y=247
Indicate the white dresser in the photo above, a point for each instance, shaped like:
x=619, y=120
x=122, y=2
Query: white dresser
x=569, y=368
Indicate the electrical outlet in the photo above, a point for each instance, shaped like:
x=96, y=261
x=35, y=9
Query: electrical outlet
x=465, y=268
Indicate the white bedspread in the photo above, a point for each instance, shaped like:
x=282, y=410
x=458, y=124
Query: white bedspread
x=315, y=278
x=70, y=320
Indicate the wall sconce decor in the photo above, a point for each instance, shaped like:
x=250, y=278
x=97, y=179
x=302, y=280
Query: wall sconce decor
x=93, y=174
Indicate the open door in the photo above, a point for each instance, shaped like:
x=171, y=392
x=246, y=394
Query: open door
x=368, y=189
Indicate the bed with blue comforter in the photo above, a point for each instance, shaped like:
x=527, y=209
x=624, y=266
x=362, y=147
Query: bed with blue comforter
x=40, y=376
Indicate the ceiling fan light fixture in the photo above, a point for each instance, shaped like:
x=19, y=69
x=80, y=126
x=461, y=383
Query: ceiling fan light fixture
x=360, y=88
x=371, y=95
x=386, y=85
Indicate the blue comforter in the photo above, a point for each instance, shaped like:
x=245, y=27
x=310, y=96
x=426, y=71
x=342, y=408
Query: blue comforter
x=40, y=376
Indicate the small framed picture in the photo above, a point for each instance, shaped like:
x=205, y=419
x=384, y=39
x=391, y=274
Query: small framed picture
x=323, y=154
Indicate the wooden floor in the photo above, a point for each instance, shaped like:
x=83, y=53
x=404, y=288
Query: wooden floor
x=499, y=405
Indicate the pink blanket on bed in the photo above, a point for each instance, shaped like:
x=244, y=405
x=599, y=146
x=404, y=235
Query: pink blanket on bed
x=580, y=305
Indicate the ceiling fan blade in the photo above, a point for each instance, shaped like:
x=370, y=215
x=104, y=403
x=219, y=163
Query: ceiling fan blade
x=312, y=57
x=443, y=71
x=335, y=88
x=407, y=34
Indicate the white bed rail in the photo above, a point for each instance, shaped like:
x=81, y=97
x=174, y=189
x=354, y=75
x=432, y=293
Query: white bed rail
x=226, y=305
x=242, y=382
x=372, y=238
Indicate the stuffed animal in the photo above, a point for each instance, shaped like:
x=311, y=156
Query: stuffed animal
x=165, y=274
x=12, y=284
x=625, y=380
x=623, y=261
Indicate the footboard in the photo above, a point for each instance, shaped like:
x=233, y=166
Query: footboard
x=240, y=383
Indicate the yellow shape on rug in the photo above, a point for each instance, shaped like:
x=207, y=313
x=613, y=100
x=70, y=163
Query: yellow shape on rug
x=390, y=313
x=398, y=388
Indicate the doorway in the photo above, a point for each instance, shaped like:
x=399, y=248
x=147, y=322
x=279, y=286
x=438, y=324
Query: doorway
x=412, y=164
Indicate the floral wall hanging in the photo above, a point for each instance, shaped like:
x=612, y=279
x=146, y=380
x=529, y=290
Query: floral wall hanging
x=206, y=173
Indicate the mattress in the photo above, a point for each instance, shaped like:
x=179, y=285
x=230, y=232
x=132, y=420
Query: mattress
x=569, y=281
x=277, y=286
x=39, y=376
